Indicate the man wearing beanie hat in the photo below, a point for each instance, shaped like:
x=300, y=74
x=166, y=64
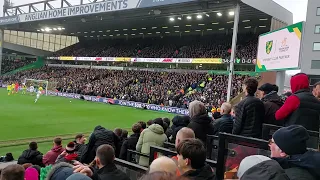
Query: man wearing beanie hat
x=69, y=155
x=272, y=102
x=289, y=147
x=301, y=107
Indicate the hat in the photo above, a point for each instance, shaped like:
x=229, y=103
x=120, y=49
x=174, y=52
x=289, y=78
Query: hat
x=196, y=108
x=249, y=162
x=267, y=88
x=71, y=146
x=31, y=174
x=292, y=139
x=78, y=176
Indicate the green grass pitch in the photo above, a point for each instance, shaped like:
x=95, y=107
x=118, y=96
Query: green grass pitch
x=22, y=119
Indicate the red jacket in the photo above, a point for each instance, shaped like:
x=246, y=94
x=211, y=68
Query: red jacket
x=51, y=156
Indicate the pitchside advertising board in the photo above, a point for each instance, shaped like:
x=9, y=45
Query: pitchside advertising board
x=280, y=50
x=86, y=9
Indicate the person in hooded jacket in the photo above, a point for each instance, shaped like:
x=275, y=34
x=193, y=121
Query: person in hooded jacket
x=272, y=102
x=178, y=122
x=152, y=136
x=31, y=155
x=289, y=148
x=200, y=123
x=80, y=141
x=301, y=108
x=259, y=167
x=131, y=142
x=99, y=136
x=249, y=113
x=192, y=160
x=51, y=156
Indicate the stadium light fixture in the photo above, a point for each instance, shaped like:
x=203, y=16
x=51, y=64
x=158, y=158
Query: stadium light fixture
x=199, y=16
x=134, y=29
x=71, y=33
x=55, y=29
x=125, y=34
x=189, y=17
x=108, y=30
x=38, y=30
x=171, y=19
x=63, y=28
x=179, y=18
x=176, y=31
x=207, y=15
x=133, y=34
x=118, y=34
x=125, y=29
x=154, y=27
x=246, y=20
x=198, y=30
x=157, y=32
x=187, y=31
x=231, y=13
x=104, y=35
x=78, y=32
x=262, y=26
x=100, y=31
x=93, y=31
x=188, y=25
x=144, y=28
x=149, y=33
x=47, y=29
x=167, y=32
x=164, y=27
x=219, y=14
x=229, y=22
x=42, y=29
x=140, y=33
x=215, y=23
x=116, y=30
x=85, y=32
x=265, y=19
x=176, y=26
x=110, y=35
x=59, y=28
x=221, y=29
x=91, y=36
x=209, y=29
x=248, y=27
x=85, y=36
x=201, y=24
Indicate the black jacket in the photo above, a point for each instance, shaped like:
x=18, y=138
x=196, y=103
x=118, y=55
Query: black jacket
x=81, y=149
x=272, y=102
x=267, y=170
x=31, y=156
x=205, y=173
x=130, y=143
x=111, y=172
x=249, y=116
x=202, y=126
x=309, y=161
x=224, y=124
x=178, y=122
x=99, y=136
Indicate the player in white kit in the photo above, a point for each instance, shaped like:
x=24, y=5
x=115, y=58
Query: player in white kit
x=38, y=96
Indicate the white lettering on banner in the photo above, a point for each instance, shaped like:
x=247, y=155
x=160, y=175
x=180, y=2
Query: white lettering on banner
x=92, y=8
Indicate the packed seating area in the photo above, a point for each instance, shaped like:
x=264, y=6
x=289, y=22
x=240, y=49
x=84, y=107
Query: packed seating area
x=165, y=47
x=8, y=65
x=161, y=88
x=255, y=139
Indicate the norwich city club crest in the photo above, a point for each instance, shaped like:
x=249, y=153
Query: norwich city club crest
x=269, y=47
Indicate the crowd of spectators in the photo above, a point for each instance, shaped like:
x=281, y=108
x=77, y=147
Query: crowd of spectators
x=8, y=65
x=162, y=88
x=166, y=47
x=290, y=158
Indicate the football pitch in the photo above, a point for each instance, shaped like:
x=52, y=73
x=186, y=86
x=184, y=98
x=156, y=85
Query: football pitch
x=23, y=121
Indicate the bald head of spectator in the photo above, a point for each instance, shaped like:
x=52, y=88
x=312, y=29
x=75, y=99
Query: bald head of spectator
x=12, y=172
x=226, y=108
x=163, y=164
x=184, y=133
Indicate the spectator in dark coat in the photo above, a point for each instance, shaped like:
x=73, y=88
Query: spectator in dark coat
x=178, y=122
x=31, y=155
x=51, y=156
x=143, y=125
x=289, y=147
x=225, y=123
x=249, y=113
x=80, y=141
x=99, y=136
x=301, y=107
x=272, y=102
x=259, y=167
x=131, y=142
x=106, y=168
x=200, y=122
x=169, y=131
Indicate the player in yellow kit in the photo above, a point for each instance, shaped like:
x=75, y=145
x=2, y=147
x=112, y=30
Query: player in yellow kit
x=9, y=89
x=12, y=88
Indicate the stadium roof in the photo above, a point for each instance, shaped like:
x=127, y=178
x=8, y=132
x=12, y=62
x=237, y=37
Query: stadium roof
x=190, y=16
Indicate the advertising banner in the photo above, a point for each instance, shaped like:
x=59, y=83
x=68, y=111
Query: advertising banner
x=183, y=60
x=207, y=61
x=124, y=59
x=67, y=58
x=140, y=105
x=280, y=50
x=86, y=9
